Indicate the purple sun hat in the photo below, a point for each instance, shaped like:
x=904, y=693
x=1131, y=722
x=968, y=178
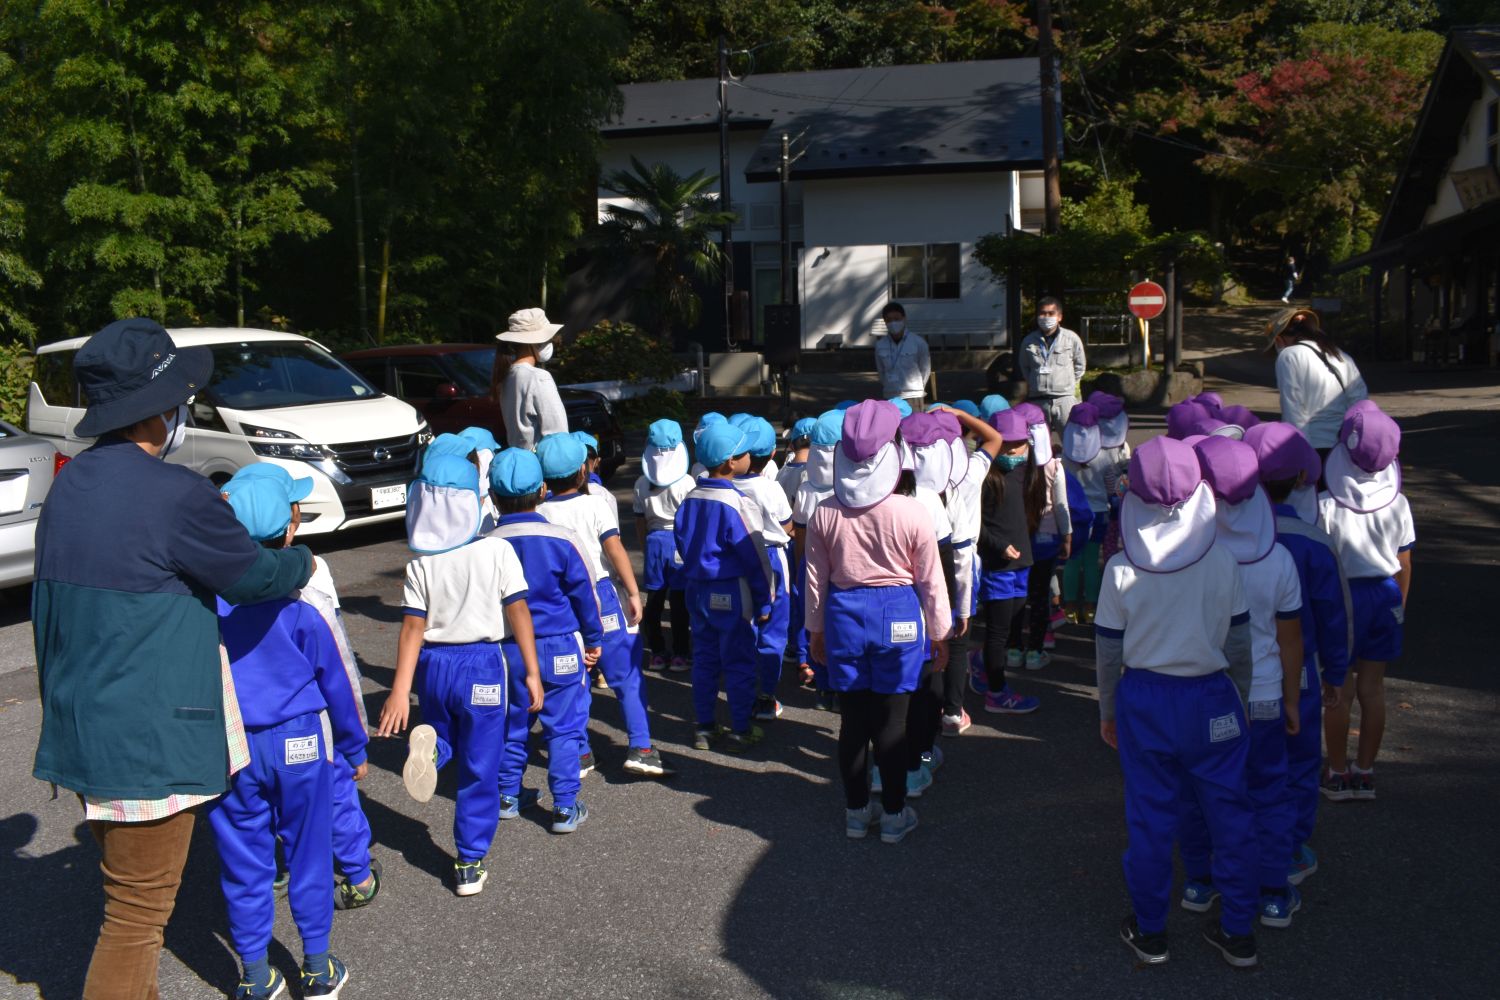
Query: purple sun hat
x=1114, y=422
x=1363, y=472
x=1283, y=452
x=867, y=462
x=1010, y=423
x=1210, y=401
x=1240, y=416
x=1038, y=433
x=1185, y=418
x=928, y=453
x=1167, y=517
x=1246, y=522
x=1081, y=437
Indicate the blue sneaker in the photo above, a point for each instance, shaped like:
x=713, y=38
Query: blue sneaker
x=979, y=681
x=917, y=782
x=325, y=982
x=857, y=821
x=893, y=829
x=1304, y=863
x=511, y=805
x=933, y=759
x=468, y=877
x=1198, y=896
x=1007, y=702
x=1276, y=910
x=566, y=819
x=248, y=990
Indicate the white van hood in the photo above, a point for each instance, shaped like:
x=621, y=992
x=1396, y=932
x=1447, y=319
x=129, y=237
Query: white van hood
x=335, y=423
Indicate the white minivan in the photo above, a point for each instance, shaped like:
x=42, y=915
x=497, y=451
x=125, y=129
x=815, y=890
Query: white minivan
x=273, y=397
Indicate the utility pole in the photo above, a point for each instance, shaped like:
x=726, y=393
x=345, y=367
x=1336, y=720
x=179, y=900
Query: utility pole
x=786, y=223
x=1169, y=353
x=727, y=242
x=1053, y=195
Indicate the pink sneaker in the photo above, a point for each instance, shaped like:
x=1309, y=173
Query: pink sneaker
x=1049, y=640
x=680, y=665
x=657, y=663
x=954, y=725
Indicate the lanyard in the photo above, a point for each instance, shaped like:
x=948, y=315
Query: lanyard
x=1045, y=348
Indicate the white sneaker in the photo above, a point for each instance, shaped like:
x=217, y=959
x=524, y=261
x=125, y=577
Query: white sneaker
x=1014, y=657
x=420, y=771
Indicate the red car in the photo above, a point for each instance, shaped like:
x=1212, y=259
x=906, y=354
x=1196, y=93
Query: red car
x=449, y=384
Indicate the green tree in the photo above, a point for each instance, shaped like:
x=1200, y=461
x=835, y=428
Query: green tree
x=16, y=274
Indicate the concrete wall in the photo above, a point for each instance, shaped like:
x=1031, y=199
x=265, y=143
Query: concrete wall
x=1471, y=153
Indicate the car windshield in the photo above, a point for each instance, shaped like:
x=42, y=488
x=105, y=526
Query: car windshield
x=261, y=375
x=473, y=368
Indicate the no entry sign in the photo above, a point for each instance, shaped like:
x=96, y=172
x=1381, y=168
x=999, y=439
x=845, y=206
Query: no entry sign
x=1147, y=300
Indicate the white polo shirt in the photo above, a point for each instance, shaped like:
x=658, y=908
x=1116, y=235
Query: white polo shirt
x=963, y=500
x=658, y=504
x=808, y=498
x=1273, y=590
x=589, y=519
x=775, y=512
x=461, y=592
x=610, y=501
x=1173, y=623
x=933, y=502
x=1368, y=544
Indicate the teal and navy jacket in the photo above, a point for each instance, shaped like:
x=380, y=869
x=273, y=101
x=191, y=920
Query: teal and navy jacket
x=130, y=552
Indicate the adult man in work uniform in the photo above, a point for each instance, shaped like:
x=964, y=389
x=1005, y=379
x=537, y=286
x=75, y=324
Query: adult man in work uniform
x=901, y=359
x=1052, y=363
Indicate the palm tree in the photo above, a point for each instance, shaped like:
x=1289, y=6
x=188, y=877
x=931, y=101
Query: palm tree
x=672, y=220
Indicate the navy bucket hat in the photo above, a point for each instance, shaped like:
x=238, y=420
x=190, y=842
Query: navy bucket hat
x=131, y=370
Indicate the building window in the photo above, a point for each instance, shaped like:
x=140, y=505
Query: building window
x=924, y=271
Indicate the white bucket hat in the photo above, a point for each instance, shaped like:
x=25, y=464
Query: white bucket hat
x=528, y=326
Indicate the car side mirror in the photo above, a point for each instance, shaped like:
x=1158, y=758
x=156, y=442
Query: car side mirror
x=447, y=391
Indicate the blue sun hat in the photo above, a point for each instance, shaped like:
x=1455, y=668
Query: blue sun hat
x=740, y=420
x=443, y=510
x=131, y=370
x=803, y=428
x=827, y=432
x=262, y=495
x=720, y=443
x=705, y=422
x=515, y=472
x=966, y=406
x=561, y=455
x=480, y=439
x=992, y=404
x=846, y=404
x=448, y=444
x=760, y=436
x=665, y=459
x=587, y=440
x=902, y=405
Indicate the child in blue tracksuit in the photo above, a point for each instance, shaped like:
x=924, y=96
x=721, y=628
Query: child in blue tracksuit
x=1289, y=467
x=776, y=533
x=288, y=672
x=1173, y=617
x=659, y=490
x=569, y=639
x=464, y=596
x=1273, y=592
x=727, y=576
x=816, y=486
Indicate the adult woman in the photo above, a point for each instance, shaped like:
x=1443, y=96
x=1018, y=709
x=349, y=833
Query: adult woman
x=527, y=394
x=1318, y=382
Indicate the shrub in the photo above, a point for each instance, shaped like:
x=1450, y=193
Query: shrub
x=612, y=352
x=16, y=367
x=658, y=404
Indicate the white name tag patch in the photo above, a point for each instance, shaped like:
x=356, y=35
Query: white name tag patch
x=903, y=632
x=1400, y=614
x=1306, y=677
x=1224, y=728
x=721, y=602
x=564, y=665
x=611, y=623
x=484, y=694
x=1264, y=711
x=301, y=749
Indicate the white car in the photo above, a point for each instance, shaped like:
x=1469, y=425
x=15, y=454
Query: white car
x=272, y=397
x=27, y=464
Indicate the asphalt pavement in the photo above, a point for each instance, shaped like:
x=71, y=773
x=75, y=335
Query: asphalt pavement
x=735, y=879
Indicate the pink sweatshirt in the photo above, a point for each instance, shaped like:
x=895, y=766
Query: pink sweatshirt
x=888, y=545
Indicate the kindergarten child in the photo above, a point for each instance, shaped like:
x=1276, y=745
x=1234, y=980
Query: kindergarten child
x=1004, y=548
x=794, y=471
x=568, y=636
x=875, y=594
x=595, y=485
x=1173, y=617
x=1246, y=526
x=659, y=490
x=1368, y=518
x=776, y=524
x=464, y=596
x=484, y=449
x=288, y=671
x=1051, y=540
x=1096, y=469
x=728, y=586
x=815, y=488
x=1289, y=467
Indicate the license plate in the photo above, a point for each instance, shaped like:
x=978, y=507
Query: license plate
x=13, y=486
x=385, y=497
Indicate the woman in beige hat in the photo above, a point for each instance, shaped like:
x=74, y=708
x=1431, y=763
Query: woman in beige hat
x=528, y=396
x=1317, y=381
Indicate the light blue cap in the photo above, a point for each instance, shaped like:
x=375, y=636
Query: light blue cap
x=587, y=440
x=664, y=434
x=561, y=455
x=803, y=428
x=448, y=444
x=991, y=405
x=480, y=438
x=846, y=404
x=709, y=419
x=760, y=436
x=452, y=471
x=262, y=495
x=515, y=472
x=829, y=429
x=966, y=406
x=901, y=405
x=719, y=443
x=741, y=420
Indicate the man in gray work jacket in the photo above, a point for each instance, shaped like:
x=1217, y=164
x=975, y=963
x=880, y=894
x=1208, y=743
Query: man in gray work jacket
x=1052, y=363
x=130, y=552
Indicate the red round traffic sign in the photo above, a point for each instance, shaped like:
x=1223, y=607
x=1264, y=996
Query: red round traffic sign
x=1147, y=300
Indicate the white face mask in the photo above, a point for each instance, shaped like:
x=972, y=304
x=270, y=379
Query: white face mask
x=176, y=430
x=896, y=327
x=545, y=354
x=1047, y=323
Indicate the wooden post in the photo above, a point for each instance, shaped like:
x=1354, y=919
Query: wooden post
x=725, y=203
x=1050, y=169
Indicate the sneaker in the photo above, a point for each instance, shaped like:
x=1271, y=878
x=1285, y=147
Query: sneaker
x=1087, y=618
x=917, y=782
x=738, y=743
x=704, y=736
x=957, y=725
x=325, y=982
x=1335, y=786
x=468, y=877
x=876, y=784
x=805, y=675
x=1036, y=659
x=1007, y=702
x=933, y=759
x=279, y=886
x=826, y=701
x=1073, y=615
x=419, y=774
x=679, y=665
x=1362, y=784
x=1056, y=618
x=585, y=764
x=1304, y=863
x=599, y=681
x=893, y=829
x=656, y=662
x=1198, y=896
x=247, y=990
x=646, y=761
x=566, y=819
x=348, y=896
x=979, y=681
x=767, y=709
x=857, y=821
x=1014, y=657
x=1238, y=949
x=1149, y=948
x=1276, y=910
x=511, y=805
x=1049, y=639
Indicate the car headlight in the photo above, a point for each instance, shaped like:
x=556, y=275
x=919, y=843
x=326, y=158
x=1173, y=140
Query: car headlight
x=424, y=434
x=270, y=443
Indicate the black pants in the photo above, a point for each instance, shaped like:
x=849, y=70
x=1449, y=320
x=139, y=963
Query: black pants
x=1038, y=607
x=868, y=718
x=956, y=676
x=924, y=717
x=997, y=616
x=682, y=643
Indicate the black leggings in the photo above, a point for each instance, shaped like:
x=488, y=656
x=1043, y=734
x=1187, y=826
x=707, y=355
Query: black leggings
x=879, y=718
x=924, y=717
x=997, y=616
x=682, y=643
x=1038, y=607
x=956, y=676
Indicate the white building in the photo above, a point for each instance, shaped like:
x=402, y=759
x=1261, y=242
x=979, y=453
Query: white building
x=897, y=173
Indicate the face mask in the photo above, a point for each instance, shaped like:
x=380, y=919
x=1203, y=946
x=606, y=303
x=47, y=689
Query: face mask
x=896, y=326
x=1047, y=323
x=545, y=354
x=176, y=430
x=1010, y=462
